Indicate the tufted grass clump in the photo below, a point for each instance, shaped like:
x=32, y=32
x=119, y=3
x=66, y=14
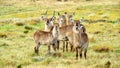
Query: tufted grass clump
x=19, y=24
x=103, y=48
x=3, y=35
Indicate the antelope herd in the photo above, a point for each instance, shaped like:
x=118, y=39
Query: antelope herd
x=67, y=30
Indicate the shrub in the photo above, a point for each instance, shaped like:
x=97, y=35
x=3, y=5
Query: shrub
x=89, y=0
x=103, y=48
x=3, y=35
x=19, y=24
x=58, y=54
x=26, y=31
x=28, y=28
x=97, y=32
x=59, y=0
x=4, y=44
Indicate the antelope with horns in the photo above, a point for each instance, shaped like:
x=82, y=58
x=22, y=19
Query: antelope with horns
x=62, y=23
x=63, y=34
x=69, y=37
x=80, y=40
x=46, y=38
x=49, y=21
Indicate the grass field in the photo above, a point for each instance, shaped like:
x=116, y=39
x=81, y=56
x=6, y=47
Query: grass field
x=19, y=20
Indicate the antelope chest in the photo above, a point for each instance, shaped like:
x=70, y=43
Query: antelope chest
x=62, y=34
x=76, y=40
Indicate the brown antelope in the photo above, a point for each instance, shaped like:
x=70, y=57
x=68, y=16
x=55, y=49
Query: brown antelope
x=46, y=38
x=80, y=40
x=49, y=21
x=62, y=19
x=62, y=34
x=69, y=37
x=61, y=22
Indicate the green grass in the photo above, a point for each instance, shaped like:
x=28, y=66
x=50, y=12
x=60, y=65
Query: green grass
x=17, y=49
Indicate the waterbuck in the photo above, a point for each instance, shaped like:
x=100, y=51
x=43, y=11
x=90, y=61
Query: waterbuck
x=69, y=36
x=63, y=31
x=62, y=34
x=80, y=40
x=46, y=38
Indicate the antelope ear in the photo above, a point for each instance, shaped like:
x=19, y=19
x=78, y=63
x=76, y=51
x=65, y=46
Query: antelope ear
x=44, y=18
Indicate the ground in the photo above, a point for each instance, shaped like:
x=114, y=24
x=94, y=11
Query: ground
x=20, y=19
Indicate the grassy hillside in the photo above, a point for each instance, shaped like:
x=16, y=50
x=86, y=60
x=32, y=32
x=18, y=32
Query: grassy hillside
x=19, y=20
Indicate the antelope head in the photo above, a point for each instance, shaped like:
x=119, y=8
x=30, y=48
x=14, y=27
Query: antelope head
x=76, y=27
x=49, y=21
x=62, y=19
x=70, y=18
